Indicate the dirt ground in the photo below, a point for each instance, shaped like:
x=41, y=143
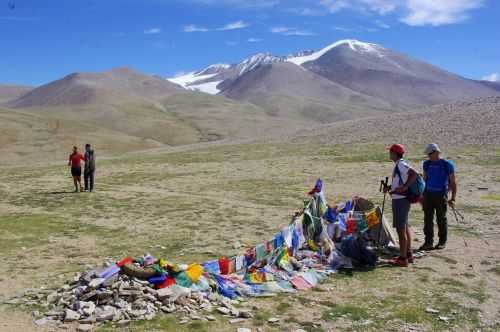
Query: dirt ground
x=197, y=204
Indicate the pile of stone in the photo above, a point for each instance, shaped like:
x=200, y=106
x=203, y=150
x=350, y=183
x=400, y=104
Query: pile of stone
x=88, y=301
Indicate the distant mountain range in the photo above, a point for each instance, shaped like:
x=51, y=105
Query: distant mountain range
x=264, y=95
x=373, y=73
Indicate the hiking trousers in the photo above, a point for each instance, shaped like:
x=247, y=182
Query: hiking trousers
x=435, y=204
x=88, y=176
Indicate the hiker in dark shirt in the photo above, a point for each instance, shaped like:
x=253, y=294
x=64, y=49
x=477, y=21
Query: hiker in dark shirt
x=89, y=170
x=439, y=176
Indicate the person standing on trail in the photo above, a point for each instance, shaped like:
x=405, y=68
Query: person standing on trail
x=439, y=176
x=76, y=169
x=403, y=176
x=89, y=171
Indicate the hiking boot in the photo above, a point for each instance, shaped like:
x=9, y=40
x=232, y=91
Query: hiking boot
x=410, y=258
x=426, y=247
x=440, y=246
x=400, y=262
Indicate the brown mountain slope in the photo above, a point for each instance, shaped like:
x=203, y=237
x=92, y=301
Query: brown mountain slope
x=462, y=123
x=399, y=79
x=288, y=90
x=25, y=136
x=10, y=92
x=109, y=87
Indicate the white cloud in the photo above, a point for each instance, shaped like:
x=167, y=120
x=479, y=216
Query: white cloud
x=305, y=11
x=442, y=12
x=152, y=31
x=254, y=40
x=194, y=28
x=382, y=24
x=279, y=29
x=234, y=26
x=495, y=77
x=335, y=5
x=411, y=12
x=242, y=4
x=291, y=31
x=381, y=6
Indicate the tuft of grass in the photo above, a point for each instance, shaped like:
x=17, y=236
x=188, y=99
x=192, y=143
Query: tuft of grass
x=283, y=307
x=452, y=282
x=261, y=317
x=161, y=322
x=491, y=197
x=495, y=270
x=447, y=260
x=29, y=231
x=354, y=312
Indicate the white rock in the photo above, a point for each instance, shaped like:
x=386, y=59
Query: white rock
x=243, y=329
x=84, y=327
x=431, y=311
x=236, y=320
x=89, y=308
x=168, y=309
x=211, y=318
x=223, y=310
x=71, y=316
x=273, y=320
x=104, y=314
x=41, y=322
x=94, y=283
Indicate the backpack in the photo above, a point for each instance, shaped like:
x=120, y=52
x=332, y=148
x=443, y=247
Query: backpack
x=415, y=193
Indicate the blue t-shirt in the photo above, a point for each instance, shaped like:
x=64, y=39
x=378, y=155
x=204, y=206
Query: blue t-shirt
x=438, y=173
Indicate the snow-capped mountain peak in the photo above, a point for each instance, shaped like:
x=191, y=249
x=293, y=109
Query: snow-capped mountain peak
x=207, y=79
x=214, y=69
x=355, y=45
x=256, y=60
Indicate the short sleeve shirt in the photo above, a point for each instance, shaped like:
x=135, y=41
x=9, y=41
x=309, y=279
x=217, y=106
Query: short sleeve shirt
x=397, y=182
x=438, y=173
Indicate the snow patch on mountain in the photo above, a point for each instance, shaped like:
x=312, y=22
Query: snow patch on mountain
x=214, y=69
x=257, y=60
x=189, y=79
x=209, y=87
x=355, y=45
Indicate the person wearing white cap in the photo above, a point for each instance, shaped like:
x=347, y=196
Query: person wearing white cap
x=439, y=176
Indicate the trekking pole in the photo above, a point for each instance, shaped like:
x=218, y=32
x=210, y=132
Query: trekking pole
x=458, y=214
x=383, y=185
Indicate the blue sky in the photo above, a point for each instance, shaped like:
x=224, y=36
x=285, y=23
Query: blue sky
x=45, y=40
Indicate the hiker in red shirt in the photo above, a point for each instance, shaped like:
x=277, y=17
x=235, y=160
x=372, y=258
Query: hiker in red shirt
x=76, y=169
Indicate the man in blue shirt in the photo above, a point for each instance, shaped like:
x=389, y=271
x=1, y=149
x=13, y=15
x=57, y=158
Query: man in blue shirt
x=439, y=176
